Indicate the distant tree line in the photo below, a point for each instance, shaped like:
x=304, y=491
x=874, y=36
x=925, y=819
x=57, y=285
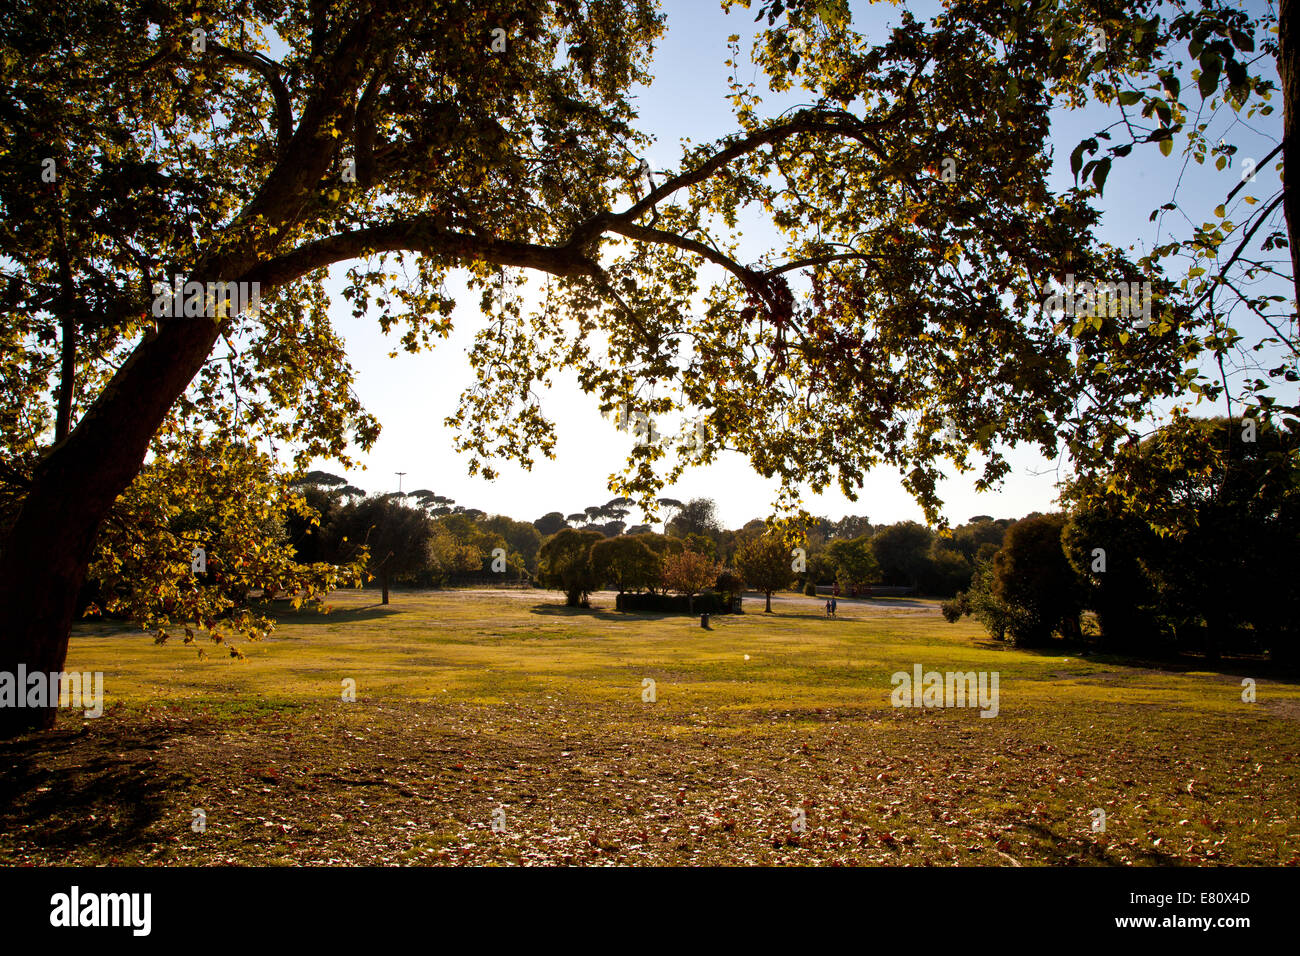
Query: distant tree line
x=418, y=539
x=423, y=539
x=1187, y=542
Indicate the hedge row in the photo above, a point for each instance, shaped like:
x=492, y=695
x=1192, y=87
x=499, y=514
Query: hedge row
x=710, y=601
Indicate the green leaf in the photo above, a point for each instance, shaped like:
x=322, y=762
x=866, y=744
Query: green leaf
x=1076, y=160
x=1211, y=67
x=1100, y=174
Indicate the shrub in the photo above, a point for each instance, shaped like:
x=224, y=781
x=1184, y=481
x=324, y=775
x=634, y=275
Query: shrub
x=709, y=602
x=729, y=583
x=955, y=607
x=980, y=603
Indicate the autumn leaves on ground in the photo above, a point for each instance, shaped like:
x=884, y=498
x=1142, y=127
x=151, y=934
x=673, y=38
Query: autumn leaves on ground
x=478, y=708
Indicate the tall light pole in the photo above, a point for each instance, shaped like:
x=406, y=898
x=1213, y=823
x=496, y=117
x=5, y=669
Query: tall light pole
x=399, y=475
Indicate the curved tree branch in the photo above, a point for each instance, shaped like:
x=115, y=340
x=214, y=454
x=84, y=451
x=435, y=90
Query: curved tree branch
x=424, y=235
x=270, y=71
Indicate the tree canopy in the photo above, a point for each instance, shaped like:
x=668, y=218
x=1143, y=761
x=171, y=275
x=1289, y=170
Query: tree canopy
x=626, y=562
x=564, y=563
x=898, y=320
x=765, y=564
x=689, y=573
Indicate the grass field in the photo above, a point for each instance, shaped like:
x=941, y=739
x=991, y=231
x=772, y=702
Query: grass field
x=475, y=708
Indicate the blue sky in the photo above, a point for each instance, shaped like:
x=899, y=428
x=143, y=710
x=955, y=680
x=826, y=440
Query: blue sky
x=412, y=394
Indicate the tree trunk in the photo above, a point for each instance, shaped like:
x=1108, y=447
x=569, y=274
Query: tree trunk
x=383, y=585
x=1211, y=642
x=44, y=557
x=67, y=378
x=1289, y=73
x=768, y=609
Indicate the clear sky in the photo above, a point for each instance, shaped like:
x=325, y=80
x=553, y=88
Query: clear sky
x=411, y=394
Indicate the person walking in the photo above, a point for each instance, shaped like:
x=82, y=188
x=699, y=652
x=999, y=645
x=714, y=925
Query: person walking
x=833, y=606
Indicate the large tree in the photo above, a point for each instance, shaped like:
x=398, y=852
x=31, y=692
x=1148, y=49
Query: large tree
x=1033, y=577
x=854, y=561
x=521, y=537
x=699, y=516
x=396, y=537
x=550, y=523
x=689, y=573
x=765, y=563
x=564, y=563
x=902, y=550
x=853, y=526
x=626, y=562
x=1191, y=538
x=240, y=141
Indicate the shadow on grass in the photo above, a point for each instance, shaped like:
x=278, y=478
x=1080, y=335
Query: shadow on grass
x=70, y=788
x=883, y=602
x=814, y=616
x=784, y=613
x=346, y=615
x=600, y=614
x=1175, y=663
x=1059, y=848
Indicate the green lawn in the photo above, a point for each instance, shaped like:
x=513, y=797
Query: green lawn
x=475, y=703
